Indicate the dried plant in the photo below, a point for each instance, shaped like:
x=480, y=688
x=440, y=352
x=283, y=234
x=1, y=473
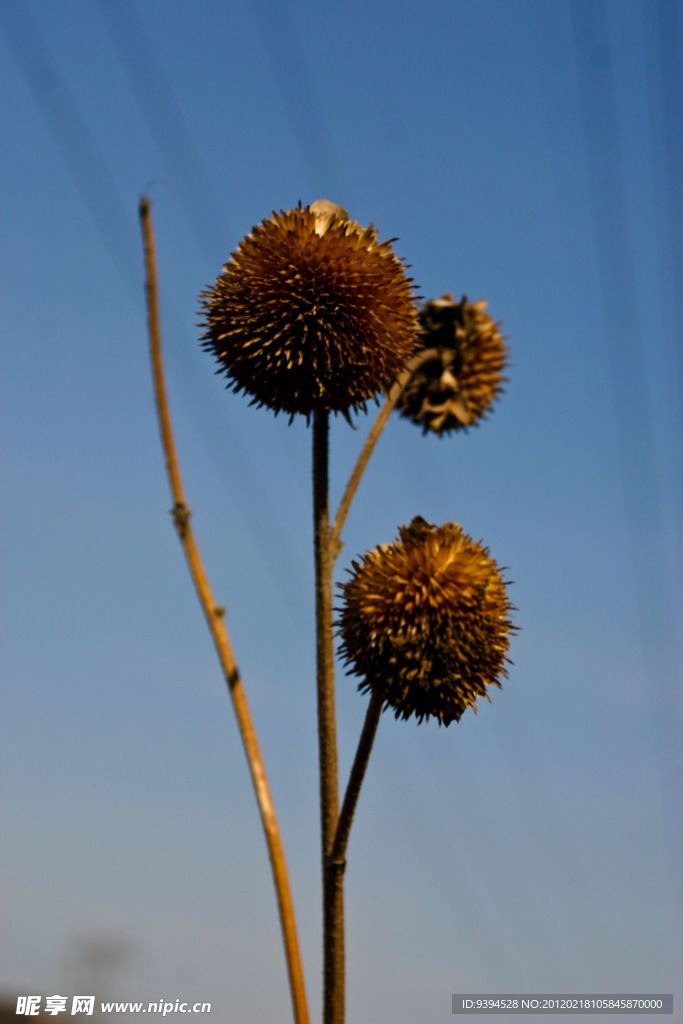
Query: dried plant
x=312, y=315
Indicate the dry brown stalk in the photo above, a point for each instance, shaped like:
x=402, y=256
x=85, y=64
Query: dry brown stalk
x=214, y=617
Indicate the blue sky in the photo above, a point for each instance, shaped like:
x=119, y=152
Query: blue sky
x=522, y=151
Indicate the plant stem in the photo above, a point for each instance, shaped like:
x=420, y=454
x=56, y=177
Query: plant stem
x=214, y=617
x=333, y=881
x=371, y=440
x=360, y=763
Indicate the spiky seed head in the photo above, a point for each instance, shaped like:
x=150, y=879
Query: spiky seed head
x=311, y=312
x=456, y=388
x=425, y=622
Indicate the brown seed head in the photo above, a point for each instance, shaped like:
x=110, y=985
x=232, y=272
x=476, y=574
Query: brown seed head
x=311, y=312
x=425, y=622
x=456, y=388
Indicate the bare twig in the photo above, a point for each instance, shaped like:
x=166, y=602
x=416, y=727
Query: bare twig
x=360, y=763
x=370, y=442
x=214, y=617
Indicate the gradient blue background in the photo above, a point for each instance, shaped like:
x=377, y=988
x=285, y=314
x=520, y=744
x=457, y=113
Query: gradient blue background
x=527, y=152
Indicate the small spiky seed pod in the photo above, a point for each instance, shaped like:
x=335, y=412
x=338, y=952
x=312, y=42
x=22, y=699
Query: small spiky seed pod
x=311, y=312
x=425, y=622
x=455, y=388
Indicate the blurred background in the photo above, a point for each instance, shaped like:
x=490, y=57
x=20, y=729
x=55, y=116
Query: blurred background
x=521, y=151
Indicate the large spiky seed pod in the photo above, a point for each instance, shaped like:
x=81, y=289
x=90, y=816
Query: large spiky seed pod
x=311, y=312
x=456, y=388
x=425, y=622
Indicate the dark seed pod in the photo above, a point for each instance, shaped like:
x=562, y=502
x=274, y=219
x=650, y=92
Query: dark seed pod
x=455, y=389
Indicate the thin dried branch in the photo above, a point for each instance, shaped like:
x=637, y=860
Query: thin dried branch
x=370, y=442
x=214, y=617
x=360, y=763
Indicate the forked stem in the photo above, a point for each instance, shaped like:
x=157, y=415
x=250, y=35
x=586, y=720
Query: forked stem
x=214, y=617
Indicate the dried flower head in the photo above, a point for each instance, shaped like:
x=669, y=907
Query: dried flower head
x=425, y=622
x=455, y=388
x=311, y=312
